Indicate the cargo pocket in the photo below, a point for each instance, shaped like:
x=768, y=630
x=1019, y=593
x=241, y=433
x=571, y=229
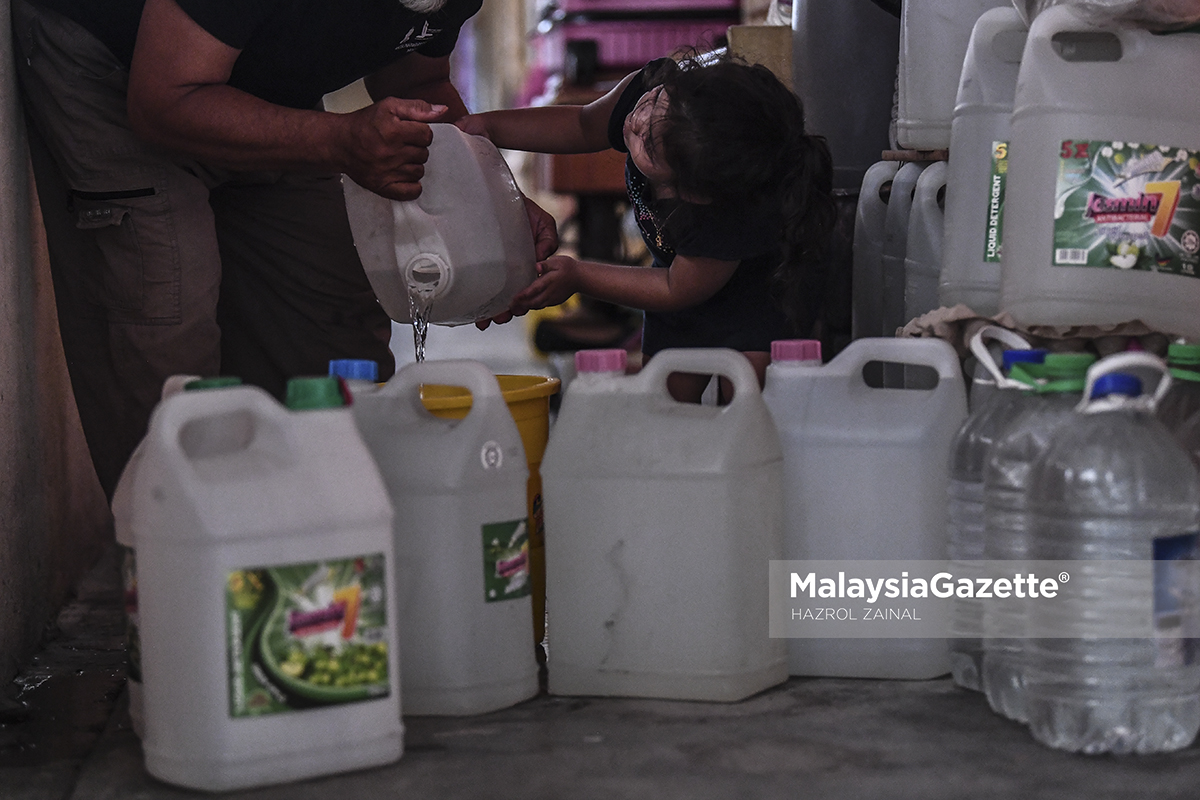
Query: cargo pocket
x=135, y=236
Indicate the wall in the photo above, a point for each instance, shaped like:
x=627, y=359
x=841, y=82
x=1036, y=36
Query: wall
x=53, y=518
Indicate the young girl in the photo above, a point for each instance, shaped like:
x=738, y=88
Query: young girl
x=733, y=200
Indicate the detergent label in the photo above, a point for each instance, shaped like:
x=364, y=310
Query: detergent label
x=506, y=561
x=1127, y=206
x=1176, y=600
x=995, y=207
x=306, y=635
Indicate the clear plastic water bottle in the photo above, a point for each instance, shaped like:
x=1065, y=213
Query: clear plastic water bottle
x=965, y=510
x=1112, y=486
x=1060, y=381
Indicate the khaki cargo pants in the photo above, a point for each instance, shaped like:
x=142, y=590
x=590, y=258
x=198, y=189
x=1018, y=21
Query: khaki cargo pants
x=164, y=266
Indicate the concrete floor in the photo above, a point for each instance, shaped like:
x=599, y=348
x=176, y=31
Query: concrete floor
x=64, y=733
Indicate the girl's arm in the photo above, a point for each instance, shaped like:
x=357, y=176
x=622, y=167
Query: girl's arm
x=549, y=129
x=689, y=281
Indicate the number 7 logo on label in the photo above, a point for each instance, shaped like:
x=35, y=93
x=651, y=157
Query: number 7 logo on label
x=1168, y=192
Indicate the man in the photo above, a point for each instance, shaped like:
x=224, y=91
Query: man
x=190, y=184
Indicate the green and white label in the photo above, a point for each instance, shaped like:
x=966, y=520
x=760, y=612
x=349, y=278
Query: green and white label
x=306, y=635
x=997, y=178
x=1128, y=206
x=506, y=561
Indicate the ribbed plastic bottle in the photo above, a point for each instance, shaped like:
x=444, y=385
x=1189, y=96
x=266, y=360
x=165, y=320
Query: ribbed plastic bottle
x=1114, y=486
x=895, y=244
x=122, y=511
x=1059, y=385
x=266, y=590
x=964, y=523
x=462, y=540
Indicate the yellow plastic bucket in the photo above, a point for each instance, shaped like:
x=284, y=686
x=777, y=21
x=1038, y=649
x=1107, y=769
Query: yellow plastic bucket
x=528, y=398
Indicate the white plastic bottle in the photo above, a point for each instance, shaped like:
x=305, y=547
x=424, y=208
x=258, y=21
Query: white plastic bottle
x=923, y=248
x=978, y=165
x=122, y=511
x=462, y=540
x=865, y=473
x=869, y=218
x=465, y=245
x=964, y=510
x=1006, y=519
x=1102, y=208
x=1114, y=486
x=662, y=517
x=266, y=591
x=933, y=41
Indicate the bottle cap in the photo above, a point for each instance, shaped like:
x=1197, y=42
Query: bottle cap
x=305, y=394
x=1011, y=357
x=1116, y=383
x=220, y=382
x=796, y=350
x=600, y=360
x=1068, y=365
x=1180, y=354
x=354, y=369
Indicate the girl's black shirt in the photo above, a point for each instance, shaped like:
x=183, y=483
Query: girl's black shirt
x=743, y=314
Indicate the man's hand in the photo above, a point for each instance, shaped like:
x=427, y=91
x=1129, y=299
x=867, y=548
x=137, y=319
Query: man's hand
x=385, y=146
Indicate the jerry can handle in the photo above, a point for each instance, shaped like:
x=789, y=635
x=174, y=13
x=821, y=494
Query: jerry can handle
x=471, y=375
x=1013, y=340
x=933, y=353
x=170, y=418
x=703, y=360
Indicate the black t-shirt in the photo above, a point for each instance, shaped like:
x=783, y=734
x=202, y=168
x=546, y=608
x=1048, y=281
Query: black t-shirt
x=742, y=314
x=293, y=51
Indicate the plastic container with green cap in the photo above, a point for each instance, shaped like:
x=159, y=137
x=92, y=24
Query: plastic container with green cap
x=267, y=590
x=1182, y=400
x=1057, y=386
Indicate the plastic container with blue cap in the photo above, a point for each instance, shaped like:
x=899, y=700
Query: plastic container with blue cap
x=1110, y=669
x=965, y=514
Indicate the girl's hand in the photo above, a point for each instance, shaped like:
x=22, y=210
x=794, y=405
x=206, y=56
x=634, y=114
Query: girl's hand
x=473, y=124
x=557, y=280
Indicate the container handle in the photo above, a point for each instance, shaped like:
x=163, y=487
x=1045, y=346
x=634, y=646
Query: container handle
x=933, y=353
x=703, y=360
x=471, y=375
x=169, y=419
x=1121, y=362
x=1014, y=341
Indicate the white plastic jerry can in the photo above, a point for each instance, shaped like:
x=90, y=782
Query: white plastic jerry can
x=923, y=250
x=869, y=217
x=933, y=41
x=865, y=477
x=662, y=518
x=461, y=537
x=895, y=244
x=267, y=594
x=978, y=166
x=462, y=249
x=1102, y=209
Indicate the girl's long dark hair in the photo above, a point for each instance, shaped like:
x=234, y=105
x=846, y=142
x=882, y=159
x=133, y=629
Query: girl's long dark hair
x=734, y=133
